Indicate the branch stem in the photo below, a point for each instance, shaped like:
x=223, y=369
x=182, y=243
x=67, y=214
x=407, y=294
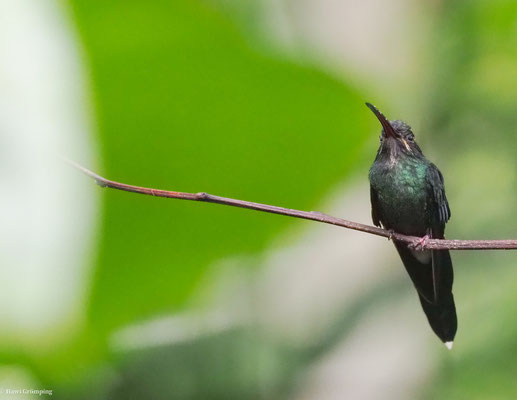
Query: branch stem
x=431, y=244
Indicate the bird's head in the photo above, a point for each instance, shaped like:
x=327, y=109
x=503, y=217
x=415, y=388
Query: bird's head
x=397, y=139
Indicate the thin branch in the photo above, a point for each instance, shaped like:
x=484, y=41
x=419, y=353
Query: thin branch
x=434, y=244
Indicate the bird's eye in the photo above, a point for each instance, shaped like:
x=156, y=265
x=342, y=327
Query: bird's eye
x=410, y=137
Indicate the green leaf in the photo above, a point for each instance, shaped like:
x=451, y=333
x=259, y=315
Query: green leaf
x=183, y=103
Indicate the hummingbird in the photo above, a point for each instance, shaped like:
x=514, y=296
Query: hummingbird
x=408, y=196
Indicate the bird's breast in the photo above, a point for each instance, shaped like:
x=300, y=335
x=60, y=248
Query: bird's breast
x=402, y=196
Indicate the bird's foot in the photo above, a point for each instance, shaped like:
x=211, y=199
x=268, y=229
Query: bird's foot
x=419, y=244
x=390, y=233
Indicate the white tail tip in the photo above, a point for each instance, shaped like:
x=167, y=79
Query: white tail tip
x=449, y=345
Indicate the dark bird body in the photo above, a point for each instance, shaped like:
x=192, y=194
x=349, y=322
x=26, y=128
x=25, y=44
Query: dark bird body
x=408, y=196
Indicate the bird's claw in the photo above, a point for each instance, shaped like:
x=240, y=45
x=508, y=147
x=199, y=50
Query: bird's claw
x=390, y=234
x=419, y=244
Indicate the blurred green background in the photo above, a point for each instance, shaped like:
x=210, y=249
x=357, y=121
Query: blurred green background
x=264, y=101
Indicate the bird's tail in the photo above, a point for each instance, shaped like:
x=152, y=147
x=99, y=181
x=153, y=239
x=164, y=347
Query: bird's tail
x=432, y=275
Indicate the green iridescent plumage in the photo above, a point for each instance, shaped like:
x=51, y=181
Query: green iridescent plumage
x=401, y=193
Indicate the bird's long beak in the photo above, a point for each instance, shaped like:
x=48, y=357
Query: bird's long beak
x=388, y=129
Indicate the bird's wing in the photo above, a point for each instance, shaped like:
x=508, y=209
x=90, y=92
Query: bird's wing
x=439, y=213
x=437, y=205
x=375, y=207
